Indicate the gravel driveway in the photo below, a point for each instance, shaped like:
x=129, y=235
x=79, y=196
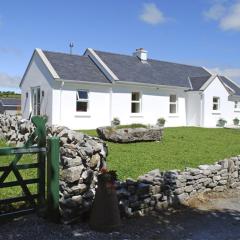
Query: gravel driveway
x=215, y=218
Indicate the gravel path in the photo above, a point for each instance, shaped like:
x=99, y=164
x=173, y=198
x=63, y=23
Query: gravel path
x=209, y=222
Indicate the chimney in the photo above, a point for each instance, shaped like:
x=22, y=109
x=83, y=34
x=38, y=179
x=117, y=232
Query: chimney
x=141, y=53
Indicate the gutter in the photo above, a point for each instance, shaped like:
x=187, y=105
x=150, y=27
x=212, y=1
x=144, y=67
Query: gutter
x=82, y=82
x=121, y=83
x=149, y=85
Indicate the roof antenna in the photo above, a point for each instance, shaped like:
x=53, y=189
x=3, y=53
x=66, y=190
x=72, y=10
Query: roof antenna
x=71, y=47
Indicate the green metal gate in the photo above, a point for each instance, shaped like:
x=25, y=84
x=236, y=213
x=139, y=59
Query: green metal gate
x=47, y=162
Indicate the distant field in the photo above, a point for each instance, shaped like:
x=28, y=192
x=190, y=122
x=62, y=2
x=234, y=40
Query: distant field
x=9, y=95
x=181, y=147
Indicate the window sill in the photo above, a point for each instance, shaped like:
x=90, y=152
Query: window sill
x=216, y=112
x=173, y=115
x=136, y=116
x=82, y=115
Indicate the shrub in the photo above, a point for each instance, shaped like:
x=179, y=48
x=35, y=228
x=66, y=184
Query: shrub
x=161, y=122
x=115, y=121
x=236, y=121
x=221, y=122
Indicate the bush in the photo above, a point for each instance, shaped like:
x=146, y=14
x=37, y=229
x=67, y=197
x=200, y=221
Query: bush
x=221, y=122
x=236, y=121
x=161, y=122
x=116, y=121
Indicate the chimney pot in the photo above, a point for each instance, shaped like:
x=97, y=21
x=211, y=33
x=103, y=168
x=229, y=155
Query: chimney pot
x=141, y=53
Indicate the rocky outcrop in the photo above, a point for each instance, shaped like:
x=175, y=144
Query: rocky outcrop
x=80, y=160
x=127, y=135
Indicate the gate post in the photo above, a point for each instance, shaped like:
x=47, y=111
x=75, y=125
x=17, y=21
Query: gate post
x=53, y=156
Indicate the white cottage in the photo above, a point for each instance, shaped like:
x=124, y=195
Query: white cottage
x=85, y=92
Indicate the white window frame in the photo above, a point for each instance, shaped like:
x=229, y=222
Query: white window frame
x=237, y=106
x=36, y=111
x=216, y=103
x=78, y=99
x=137, y=101
x=175, y=103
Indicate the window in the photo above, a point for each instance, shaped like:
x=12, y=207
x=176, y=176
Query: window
x=216, y=103
x=237, y=105
x=136, y=102
x=82, y=101
x=173, y=104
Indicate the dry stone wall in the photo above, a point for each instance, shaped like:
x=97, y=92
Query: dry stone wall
x=158, y=190
x=82, y=156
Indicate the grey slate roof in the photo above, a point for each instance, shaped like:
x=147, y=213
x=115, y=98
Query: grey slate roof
x=231, y=85
x=131, y=69
x=10, y=101
x=75, y=67
x=197, y=82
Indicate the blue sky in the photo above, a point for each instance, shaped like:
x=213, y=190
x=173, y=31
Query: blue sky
x=200, y=32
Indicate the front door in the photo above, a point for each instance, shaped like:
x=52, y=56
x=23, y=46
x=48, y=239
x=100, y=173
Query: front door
x=36, y=101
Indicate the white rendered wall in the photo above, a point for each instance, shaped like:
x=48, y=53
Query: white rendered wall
x=37, y=75
x=64, y=107
x=226, y=111
x=155, y=104
x=193, y=109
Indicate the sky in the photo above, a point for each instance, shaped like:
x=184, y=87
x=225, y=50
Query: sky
x=200, y=32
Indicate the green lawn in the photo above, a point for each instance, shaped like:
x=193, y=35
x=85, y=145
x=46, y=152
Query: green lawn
x=181, y=147
x=26, y=174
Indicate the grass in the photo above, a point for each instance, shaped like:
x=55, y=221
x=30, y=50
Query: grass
x=26, y=174
x=133, y=125
x=181, y=147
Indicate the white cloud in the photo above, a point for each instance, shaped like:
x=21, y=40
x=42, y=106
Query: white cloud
x=232, y=73
x=231, y=21
x=227, y=16
x=7, y=81
x=152, y=15
x=215, y=12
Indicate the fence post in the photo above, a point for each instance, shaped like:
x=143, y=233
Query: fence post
x=53, y=156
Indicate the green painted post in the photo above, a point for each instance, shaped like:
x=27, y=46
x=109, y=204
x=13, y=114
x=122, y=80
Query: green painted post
x=53, y=156
x=40, y=131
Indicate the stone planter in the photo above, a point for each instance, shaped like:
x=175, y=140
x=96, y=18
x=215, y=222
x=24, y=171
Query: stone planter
x=128, y=135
